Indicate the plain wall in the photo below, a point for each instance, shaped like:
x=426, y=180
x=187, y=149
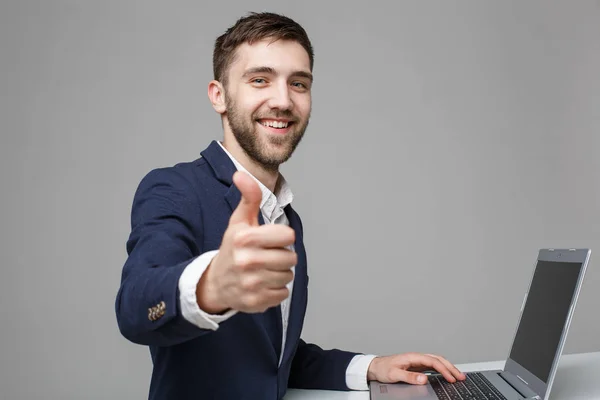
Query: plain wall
x=448, y=143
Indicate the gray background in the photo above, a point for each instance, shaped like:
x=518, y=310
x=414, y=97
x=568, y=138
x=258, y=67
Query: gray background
x=448, y=143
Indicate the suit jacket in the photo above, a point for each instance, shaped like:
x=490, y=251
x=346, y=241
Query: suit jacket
x=178, y=213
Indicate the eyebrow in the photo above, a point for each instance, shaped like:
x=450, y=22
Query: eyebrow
x=271, y=71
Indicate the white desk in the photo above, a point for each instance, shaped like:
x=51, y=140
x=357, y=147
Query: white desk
x=577, y=378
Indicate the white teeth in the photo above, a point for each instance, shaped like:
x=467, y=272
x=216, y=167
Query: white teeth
x=275, y=124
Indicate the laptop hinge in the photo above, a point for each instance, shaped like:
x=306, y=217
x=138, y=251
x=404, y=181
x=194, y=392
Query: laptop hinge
x=519, y=385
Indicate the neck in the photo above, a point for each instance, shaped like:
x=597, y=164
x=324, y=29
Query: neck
x=265, y=176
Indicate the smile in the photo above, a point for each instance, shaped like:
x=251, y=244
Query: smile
x=275, y=124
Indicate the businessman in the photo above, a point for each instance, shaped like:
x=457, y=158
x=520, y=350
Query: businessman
x=216, y=280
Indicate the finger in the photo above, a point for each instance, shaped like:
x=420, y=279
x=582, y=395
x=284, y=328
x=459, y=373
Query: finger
x=265, y=299
x=269, y=259
x=276, y=296
x=249, y=206
x=414, y=378
x=277, y=279
x=452, y=368
x=266, y=236
x=419, y=360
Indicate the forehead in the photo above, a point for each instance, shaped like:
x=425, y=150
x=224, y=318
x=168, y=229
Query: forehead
x=285, y=56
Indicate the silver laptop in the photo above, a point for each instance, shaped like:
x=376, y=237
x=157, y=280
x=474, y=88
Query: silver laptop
x=537, y=344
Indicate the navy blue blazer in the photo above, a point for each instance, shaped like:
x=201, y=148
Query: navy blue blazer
x=179, y=213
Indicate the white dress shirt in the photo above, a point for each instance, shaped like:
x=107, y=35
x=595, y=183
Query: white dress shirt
x=272, y=208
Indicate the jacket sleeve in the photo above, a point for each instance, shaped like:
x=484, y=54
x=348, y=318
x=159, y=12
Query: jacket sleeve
x=315, y=368
x=166, y=223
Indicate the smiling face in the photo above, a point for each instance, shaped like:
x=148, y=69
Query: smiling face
x=267, y=101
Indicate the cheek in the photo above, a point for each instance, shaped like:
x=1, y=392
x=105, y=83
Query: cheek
x=253, y=108
x=247, y=103
x=303, y=105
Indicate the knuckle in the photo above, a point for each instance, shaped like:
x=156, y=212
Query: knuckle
x=284, y=294
x=294, y=258
x=243, y=259
x=289, y=277
x=292, y=235
x=239, y=259
x=250, y=284
x=242, y=238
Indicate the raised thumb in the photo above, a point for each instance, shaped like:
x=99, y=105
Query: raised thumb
x=247, y=210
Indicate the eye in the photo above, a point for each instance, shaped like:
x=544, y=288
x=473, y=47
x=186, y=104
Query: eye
x=259, y=81
x=300, y=85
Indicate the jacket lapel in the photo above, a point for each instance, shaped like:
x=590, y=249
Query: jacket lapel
x=299, y=294
x=220, y=163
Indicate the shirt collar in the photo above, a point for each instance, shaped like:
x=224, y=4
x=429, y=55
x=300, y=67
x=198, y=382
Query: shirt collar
x=283, y=194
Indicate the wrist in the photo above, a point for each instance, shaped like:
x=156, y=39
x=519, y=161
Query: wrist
x=207, y=296
x=372, y=371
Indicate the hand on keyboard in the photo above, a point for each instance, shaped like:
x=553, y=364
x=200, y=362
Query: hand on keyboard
x=408, y=368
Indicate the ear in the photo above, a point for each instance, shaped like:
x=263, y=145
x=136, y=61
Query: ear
x=216, y=95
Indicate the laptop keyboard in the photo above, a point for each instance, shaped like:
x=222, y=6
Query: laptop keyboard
x=475, y=387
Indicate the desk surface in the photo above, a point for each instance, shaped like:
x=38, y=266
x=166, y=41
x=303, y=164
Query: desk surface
x=576, y=379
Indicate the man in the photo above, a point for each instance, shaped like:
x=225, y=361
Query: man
x=216, y=278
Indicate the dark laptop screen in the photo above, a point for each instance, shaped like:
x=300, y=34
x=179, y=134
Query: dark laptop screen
x=544, y=316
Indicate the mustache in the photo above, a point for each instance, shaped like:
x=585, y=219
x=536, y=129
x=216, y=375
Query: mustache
x=278, y=114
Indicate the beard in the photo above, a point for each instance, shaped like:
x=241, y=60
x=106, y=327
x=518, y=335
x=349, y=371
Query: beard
x=268, y=151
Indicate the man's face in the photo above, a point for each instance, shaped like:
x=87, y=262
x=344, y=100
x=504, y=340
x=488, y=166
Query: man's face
x=268, y=99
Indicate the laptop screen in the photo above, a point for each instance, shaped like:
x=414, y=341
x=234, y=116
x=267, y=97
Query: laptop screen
x=544, y=316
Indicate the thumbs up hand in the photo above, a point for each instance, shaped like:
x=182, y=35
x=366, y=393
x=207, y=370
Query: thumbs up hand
x=253, y=267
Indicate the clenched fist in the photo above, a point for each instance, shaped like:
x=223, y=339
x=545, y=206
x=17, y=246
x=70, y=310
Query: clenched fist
x=253, y=266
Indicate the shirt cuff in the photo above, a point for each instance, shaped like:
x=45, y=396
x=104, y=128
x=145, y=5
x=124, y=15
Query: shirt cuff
x=356, y=373
x=188, y=281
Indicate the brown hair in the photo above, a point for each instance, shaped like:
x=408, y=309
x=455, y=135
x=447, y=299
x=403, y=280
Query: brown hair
x=252, y=28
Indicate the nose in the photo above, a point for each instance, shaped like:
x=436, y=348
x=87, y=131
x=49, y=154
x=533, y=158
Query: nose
x=280, y=98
